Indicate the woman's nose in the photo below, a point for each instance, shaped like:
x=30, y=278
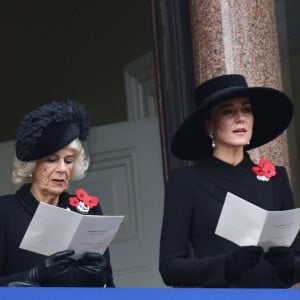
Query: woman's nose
x=240, y=116
x=61, y=166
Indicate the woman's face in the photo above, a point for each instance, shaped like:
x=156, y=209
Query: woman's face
x=52, y=173
x=231, y=122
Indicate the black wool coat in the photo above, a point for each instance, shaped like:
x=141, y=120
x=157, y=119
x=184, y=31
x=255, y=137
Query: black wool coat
x=193, y=202
x=16, y=212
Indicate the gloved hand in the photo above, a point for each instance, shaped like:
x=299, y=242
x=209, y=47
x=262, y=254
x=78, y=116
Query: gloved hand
x=52, y=268
x=242, y=260
x=92, y=269
x=282, y=258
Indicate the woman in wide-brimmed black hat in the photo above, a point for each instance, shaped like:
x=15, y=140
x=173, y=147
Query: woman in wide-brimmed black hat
x=230, y=119
x=49, y=154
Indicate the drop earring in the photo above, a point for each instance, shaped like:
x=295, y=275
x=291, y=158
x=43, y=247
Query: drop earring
x=211, y=135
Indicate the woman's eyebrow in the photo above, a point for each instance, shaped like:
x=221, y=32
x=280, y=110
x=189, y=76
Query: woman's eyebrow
x=223, y=105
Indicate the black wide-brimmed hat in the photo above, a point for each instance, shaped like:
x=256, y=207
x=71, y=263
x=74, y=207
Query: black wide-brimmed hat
x=50, y=128
x=272, y=110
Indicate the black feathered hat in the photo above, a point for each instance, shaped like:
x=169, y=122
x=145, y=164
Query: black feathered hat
x=50, y=128
x=272, y=110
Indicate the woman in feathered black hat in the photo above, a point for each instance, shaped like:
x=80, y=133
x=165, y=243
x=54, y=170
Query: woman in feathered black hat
x=49, y=153
x=231, y=118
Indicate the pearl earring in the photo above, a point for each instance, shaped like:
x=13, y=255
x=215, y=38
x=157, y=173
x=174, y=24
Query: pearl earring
x=211, y=135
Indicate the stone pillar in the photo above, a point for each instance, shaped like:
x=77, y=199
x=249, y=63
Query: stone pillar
x=238, y=36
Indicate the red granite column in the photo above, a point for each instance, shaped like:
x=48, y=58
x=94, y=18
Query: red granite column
x=238, y=36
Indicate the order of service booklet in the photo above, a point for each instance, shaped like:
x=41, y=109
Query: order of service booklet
x=54, y=229
x=246, y=224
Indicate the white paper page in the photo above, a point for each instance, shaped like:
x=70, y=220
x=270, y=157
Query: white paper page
x=281, y=228
x=50, y=230
x=240, y=221
x=95, y=233
x=54, y=229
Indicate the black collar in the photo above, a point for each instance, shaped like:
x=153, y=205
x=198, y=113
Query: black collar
x=30, y=203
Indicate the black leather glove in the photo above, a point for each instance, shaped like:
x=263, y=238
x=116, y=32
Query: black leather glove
x=242, y=260
x=283, y=259
x=92, y=270
x=52, y=269
x=22, y=284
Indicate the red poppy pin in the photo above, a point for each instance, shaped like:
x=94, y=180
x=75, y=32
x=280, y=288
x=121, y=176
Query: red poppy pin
x=264, y=170
x=82, y=201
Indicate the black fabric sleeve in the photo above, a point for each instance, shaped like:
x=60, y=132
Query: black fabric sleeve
x=177, y=267
x=6, y=279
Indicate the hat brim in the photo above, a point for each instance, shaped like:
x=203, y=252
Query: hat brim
x=272, y=110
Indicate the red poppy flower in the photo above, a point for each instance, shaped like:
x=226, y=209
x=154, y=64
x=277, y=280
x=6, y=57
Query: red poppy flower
x=74, y=201
x=264, y=168
x=258, y=171
x=91, y=201
x=81, y=194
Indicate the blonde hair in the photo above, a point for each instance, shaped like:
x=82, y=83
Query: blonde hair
x=23, y=170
